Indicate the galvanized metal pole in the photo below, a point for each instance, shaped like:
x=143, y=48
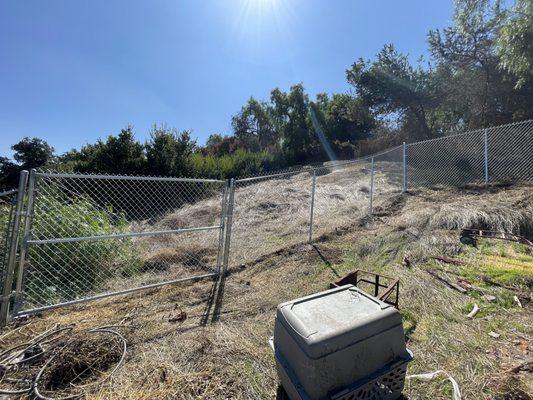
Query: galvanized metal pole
x=404, y=187
x=13, y=247
x=371, y=183
x=312, y=206
x=223, y=208
x=229, y=223
x=486, y=151
x=24, y=248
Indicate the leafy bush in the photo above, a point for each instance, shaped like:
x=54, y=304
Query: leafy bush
x=67, y=271
x=240, y=163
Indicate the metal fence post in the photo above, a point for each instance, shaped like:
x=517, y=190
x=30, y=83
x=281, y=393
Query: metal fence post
x=13, y=247
x=404, y=186
x=25, y=237
x=371, y=183
x=312, y=206
x=229, y=223
x=223, y=208
x=486, y=152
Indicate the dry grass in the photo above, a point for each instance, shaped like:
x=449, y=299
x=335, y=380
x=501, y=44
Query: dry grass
x=220, y=350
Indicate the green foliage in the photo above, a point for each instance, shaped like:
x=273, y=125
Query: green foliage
x=240, y=163
x=254, y=126
x=214, y=139
x=168, y=152
x=32, y=153
x=391, y=85
x=347, y=119
x=477, y=92
x=120, y=154
x=28, y=153
x=68, y=271
x=515, y=43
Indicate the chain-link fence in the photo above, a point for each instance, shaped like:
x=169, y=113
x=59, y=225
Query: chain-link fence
x=501, y=153
x=89, y=236
x=270, y=213
x=275, y=211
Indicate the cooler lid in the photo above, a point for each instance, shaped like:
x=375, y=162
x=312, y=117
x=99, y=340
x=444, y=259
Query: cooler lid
x=328, y=321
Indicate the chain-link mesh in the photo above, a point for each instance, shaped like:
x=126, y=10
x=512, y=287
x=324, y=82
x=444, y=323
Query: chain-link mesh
x=481, y=156
x=388, y=177
x=7, y=209
x=97, y=234
x=270, y=213
x=341, y=195
x=452, y=160
x=510, y=152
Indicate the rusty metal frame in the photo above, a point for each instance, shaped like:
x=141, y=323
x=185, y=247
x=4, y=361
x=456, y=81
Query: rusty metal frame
x=358, y=276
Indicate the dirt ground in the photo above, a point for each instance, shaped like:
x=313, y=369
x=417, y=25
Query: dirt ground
x=209, y=340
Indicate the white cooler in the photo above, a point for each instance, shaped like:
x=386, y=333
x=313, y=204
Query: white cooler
x=340, y=344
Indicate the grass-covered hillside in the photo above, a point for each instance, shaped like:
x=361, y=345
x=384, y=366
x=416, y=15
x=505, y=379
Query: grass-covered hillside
x=210, y=340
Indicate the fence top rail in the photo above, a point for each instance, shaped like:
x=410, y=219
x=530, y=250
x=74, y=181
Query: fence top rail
x=259, y=177
x=124, y=177
x=366, y=158
x=8, y=192
x=471, y=132
x=310, y=169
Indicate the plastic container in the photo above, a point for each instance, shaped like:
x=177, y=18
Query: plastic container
x=340, y=344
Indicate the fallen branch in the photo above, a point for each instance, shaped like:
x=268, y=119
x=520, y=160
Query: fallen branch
x=486, y=279
x=448, y=260
x=447, y=282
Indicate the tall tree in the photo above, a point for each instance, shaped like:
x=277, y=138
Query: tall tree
x=466, y=54
x=291, y=118
x=392, y=86
x=348, y=119
x=515, y=43
x=168, y=152
x=32, y=153
x=28, y=153
x=120, y=154
x=253, y=126
x=214, y=139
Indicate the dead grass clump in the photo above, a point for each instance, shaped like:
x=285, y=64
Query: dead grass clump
x=192, y=255
x=160, y=260
x=81, y=361
x=195, y=255
x=510, y=211
x=202, y=213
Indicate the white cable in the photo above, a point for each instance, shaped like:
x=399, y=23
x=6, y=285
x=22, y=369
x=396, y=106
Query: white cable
x=432, y=375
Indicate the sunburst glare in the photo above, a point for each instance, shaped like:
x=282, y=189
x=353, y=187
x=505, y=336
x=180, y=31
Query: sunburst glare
x=262, y=29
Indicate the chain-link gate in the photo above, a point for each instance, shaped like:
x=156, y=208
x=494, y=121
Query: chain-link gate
x=92, y=236
x=8, y=200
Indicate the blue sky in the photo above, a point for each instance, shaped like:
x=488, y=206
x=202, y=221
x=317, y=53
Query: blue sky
x=72, y=71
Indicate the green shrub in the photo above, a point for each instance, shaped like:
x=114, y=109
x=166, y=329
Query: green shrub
x=238, y=164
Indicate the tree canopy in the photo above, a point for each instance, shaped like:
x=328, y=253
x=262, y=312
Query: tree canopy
x=479, y=73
